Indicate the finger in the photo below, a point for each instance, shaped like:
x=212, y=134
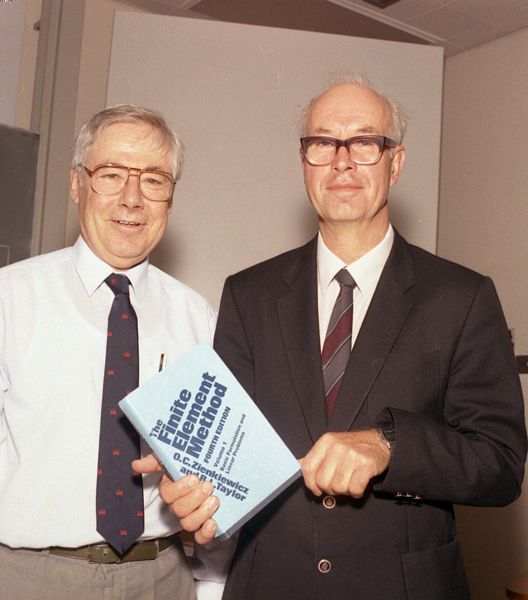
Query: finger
x=309, y=468
x=189, y=498
x=359, y=482
x=187, y=489
x=325, y=476
x=147, y=464
x=340, y=482
x=196, y=520
x=345, y=465
x=206, y=532
x=309, y=476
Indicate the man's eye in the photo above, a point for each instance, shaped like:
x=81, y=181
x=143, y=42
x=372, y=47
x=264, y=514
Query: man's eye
x=365, y=143
x=110, y=176
x=325, y=143
x=364, y=146
x=153, y=181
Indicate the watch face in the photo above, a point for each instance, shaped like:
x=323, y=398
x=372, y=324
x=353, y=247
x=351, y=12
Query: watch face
x=389, y=434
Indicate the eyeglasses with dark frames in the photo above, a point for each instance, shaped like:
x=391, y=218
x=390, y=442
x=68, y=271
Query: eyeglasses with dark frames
x=320, y=150
x=156, y=186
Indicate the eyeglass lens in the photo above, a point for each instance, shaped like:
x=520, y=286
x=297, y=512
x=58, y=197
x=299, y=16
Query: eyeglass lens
x=361, y=150
x=111, y=180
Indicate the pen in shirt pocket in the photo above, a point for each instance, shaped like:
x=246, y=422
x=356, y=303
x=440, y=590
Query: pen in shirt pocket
x=161, y=366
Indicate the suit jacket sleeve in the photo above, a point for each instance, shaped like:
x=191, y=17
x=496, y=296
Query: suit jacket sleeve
x=474, y=453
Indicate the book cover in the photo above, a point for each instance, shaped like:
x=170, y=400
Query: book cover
x=197, y=418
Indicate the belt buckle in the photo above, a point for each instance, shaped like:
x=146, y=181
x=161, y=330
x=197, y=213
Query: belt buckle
x=104, y=554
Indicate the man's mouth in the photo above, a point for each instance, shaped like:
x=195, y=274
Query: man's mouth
x=130, y=223
x=345, y=181
x=343, y=186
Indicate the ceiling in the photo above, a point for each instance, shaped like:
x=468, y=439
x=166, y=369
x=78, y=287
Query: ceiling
x=456, y=25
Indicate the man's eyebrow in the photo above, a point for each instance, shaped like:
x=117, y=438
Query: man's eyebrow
x=147, y=168
x=323, y=131
x=367, y=129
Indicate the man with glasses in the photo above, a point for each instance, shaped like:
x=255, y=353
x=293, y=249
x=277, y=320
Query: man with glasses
x=79, y=328
x=388, y=371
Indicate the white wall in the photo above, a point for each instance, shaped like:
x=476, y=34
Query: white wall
x=18, y=49
x=12, y=25
x=24, y=98
x=483, y=219
x=233, y=91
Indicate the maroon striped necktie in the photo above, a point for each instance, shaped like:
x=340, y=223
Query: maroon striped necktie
x=336, y=347
x=119, y=490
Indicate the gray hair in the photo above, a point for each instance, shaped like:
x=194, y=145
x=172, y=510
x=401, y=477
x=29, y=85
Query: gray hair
x=128, y=113
x=398, y=116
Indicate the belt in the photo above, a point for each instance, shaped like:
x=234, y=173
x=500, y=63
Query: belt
x=104, y=554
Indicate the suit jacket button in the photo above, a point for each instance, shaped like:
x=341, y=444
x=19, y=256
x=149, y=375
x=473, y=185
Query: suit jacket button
x=324, y=566
x=329, y=502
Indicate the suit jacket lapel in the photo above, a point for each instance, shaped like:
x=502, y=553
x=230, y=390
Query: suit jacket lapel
x=383, y=322
x=298, y=317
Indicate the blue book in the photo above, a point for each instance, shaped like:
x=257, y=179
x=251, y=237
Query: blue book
x=197, y=418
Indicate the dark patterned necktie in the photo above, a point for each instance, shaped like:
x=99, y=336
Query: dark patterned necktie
x=336, y=347
x=119, y=490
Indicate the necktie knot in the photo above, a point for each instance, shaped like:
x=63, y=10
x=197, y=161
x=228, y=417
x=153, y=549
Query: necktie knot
x=343, y=277
x=118, y=283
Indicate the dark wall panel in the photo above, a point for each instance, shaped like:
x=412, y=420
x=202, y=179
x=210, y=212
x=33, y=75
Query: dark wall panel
x=18, y=169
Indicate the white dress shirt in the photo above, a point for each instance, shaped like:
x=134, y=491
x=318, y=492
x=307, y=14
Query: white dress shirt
x=53, y=321
x=366, y=272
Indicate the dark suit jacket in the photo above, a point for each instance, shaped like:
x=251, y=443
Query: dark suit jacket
x=433, y=356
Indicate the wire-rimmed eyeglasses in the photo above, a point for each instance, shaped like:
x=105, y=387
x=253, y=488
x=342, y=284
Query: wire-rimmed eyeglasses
x=320, y=150
x=156, y=186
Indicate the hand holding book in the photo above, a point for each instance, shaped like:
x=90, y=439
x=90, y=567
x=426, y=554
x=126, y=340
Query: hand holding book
x=188, y=498
x=199, y=420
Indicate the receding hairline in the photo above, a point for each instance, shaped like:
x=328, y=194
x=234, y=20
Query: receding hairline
x=397, y=116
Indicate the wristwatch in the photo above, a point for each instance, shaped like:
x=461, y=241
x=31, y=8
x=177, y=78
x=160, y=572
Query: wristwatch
x=388, y=437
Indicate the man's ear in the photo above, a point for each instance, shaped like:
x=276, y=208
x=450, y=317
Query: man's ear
x=398, y=160
x=303, y=162
x=74, y=185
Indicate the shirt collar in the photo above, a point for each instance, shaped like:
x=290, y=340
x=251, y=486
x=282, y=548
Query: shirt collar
x=93, y=271
x=365, y=270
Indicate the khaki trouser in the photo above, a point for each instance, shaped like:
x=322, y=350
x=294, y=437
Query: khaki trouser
x=30, y=575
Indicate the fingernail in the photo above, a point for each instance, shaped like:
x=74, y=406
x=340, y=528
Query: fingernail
x=207, y=487
x=192, y=481
x=209, y=526
x=211, y=502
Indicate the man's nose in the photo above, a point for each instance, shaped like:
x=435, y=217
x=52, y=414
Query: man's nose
x=131, y=195
x=342, y=161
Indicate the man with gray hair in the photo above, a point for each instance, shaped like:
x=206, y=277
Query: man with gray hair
x=79, y=328
x=387, y=371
